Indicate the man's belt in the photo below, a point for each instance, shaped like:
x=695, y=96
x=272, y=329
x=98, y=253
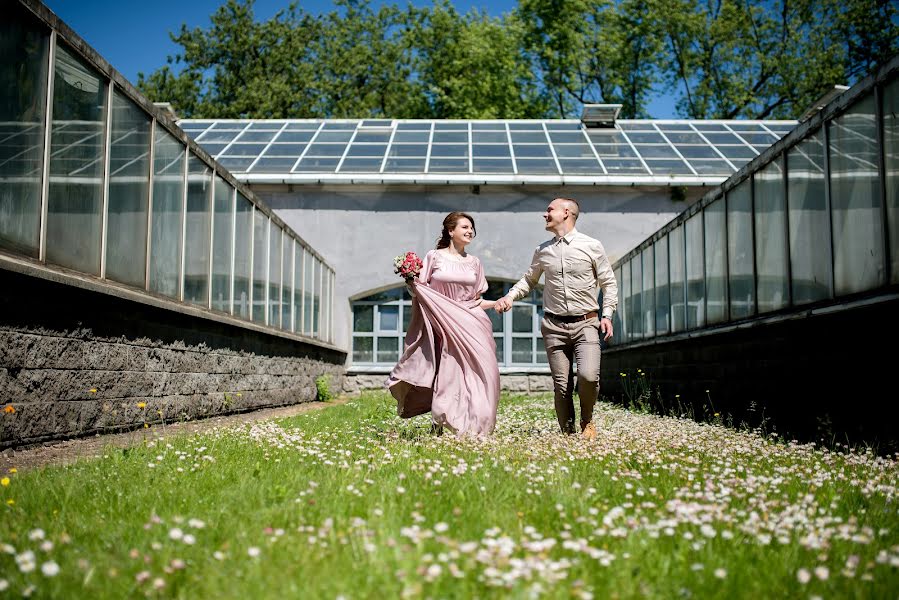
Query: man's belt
x=571, y=318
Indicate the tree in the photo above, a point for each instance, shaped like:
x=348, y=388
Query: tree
x=363, y=66
x=592, y=51
x=240, y=67
x=472, y=66
x=760, y=59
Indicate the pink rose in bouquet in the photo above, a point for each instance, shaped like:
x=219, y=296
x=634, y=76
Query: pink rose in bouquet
x=407, y=266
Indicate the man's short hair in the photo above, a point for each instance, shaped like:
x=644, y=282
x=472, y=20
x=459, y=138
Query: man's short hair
x=573, y=206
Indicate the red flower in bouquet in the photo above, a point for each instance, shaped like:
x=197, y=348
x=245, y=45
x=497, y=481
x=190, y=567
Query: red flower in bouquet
x=407, y=266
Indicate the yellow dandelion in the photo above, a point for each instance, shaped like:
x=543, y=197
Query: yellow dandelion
x=142, y=405
x=4, y=482
x=13, y=470
x=93, y=390
x=10, y=502
x=146, y=425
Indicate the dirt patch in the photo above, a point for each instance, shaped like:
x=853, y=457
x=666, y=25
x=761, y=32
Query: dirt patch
x=68, y=451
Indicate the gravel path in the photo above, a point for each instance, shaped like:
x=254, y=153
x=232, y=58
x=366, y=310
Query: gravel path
x=68, y=451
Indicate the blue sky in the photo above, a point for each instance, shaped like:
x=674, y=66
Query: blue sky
x=134, y=37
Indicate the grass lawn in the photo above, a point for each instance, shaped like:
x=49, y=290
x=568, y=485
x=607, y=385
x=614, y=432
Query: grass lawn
x=353, y=502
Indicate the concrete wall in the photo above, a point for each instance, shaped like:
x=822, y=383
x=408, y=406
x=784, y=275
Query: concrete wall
x=76, y=361
x=824, y=374
x=359, y=229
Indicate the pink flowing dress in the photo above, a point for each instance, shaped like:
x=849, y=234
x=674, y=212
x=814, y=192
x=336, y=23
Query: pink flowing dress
x=449, y=366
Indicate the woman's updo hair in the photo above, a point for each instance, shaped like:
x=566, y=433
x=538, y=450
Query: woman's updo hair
x=449, y=223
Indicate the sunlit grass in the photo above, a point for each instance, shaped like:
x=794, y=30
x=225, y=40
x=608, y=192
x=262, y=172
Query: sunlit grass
x=351, y=501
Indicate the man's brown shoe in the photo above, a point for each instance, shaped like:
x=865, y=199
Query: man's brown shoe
x=589, y=431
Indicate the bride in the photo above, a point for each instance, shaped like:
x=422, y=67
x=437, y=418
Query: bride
x=449, y=366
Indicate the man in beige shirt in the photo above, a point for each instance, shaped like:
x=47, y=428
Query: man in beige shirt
x=575, y=266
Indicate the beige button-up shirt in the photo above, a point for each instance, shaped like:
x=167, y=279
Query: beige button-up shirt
x=576, y=266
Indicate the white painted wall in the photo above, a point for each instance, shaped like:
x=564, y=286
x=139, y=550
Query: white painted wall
x=359, y=229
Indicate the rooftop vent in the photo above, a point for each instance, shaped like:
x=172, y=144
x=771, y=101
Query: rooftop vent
x=823, y=101
x=600, y=115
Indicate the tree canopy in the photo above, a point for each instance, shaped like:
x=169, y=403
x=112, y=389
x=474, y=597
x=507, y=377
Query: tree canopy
x=546, y=58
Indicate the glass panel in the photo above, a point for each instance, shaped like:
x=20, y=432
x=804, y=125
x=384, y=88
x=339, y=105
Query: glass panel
x=715, y=217
x=500, y=358
x=648, y=296
x=74, y=218
x=636, y=303
x=522, y=350
x=537, y=165
x=307, y=293
x=624, y=302
x=298, y=256
x=496, y=321
x=243, y=235
x=286, y=283
x=810, y=247
x=168, y=201
x=317, y=299
x=855, y=198
x=24, y=45
x=129, y=190
x=770, y=238
x=388, y=349
x=223, y=221
x=522, y=318
x=678, y=277
x=407, y=316
x=274, y=275
x=260, y=264
x=740, y=265
x=196, y=244
x=362, y=349
x=663, y=292
x=388, y=317
x=891, y=161
x=695, y=273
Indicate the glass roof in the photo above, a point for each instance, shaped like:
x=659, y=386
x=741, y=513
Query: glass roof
x=634, y=148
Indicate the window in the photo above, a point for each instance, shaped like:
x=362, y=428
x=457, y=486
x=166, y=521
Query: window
x=855, y=200
x=380, y=322
x=74, y=220
x=129, y=192
x=25, y=45
x=770, y=237
x=165, y=225
x=810, y=248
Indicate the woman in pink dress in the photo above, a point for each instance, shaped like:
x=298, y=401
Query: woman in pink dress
x=449, y=366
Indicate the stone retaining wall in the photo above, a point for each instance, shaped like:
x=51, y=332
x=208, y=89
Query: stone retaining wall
x=92, y=363
x=523, y=383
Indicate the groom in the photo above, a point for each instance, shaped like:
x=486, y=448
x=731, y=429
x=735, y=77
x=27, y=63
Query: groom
x=575, y=266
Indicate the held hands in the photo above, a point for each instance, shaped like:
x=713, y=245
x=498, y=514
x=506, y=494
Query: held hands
x=503, y=304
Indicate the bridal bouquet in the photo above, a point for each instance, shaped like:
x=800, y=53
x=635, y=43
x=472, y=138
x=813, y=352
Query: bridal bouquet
x=407, y=266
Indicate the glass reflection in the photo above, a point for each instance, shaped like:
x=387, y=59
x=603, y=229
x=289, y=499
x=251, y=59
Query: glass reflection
x=129, y=189
x=243, y=236
x=222, y=234
x=740, y=266
x=74, y=218
x=197, y=236
x=810, y=247
x=25, y=45
x=770, y=238
x=165, y=225
x=715, y=218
